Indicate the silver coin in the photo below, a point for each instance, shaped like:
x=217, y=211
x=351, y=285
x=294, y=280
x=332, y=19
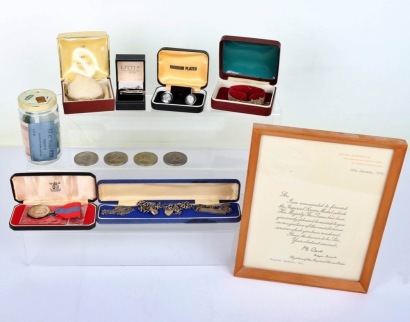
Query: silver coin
x=175, y=158
x=116, y=158
x=86, y=158
x=145, y=158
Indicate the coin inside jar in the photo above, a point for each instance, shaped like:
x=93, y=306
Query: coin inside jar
x=38, y=211
x=116, y=158
x=175, y=158
x=86, y=158
x=145, y=158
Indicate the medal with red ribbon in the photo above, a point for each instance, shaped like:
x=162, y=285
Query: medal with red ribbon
x=68, y=211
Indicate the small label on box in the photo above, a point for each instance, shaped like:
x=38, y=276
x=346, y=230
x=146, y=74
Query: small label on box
x=43, y=141
x=130, y=74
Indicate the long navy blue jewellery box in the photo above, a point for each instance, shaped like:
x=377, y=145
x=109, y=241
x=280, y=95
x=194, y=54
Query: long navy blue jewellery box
x=168, y=201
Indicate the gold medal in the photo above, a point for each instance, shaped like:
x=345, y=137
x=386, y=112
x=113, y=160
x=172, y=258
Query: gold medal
x=38, y=211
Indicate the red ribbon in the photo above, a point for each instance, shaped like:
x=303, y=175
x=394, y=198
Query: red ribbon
x=68, y=211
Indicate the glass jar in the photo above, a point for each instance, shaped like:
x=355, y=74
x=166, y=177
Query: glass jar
x=40, y=125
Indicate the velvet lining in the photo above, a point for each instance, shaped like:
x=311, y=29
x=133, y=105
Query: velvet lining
x=21, y=221
x=131, y=97
x=247, y=93
x=250, y=58
x=222, y=94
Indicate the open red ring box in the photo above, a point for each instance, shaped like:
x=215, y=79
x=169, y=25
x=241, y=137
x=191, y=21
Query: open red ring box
x=248, y=62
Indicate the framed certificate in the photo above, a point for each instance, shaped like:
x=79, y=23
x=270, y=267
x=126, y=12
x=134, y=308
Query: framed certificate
x=315, y=206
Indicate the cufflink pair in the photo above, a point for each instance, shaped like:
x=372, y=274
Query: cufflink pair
x=167, y=98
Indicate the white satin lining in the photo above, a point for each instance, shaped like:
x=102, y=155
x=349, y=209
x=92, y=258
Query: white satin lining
x=54, y=189
x=203, y=193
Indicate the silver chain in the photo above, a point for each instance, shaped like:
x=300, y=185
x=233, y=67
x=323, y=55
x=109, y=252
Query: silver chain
x=169, y=209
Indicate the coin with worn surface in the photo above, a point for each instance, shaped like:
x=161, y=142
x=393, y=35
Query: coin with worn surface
x=175, y=158
x=86, y=158
x=116, y=158
x=145, y=158
x=38, y=211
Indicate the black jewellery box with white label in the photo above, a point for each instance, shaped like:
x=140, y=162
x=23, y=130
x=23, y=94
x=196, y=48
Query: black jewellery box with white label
x=183, y=75
x=130, y=72
x=168, y=201
x=53, y=201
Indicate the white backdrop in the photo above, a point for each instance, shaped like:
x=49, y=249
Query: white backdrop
x=344, y=65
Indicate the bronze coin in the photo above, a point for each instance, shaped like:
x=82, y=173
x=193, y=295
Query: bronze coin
x=175, y=158
x=86, y=158
x=145, y=158
x=116, y=158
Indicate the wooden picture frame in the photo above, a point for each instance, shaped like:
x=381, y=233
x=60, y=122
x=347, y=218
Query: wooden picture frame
x=316, y=205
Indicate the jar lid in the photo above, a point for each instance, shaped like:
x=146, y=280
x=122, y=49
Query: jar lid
x=37, y=100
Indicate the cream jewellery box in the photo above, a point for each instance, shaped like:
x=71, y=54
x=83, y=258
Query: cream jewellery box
x=85, y=72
